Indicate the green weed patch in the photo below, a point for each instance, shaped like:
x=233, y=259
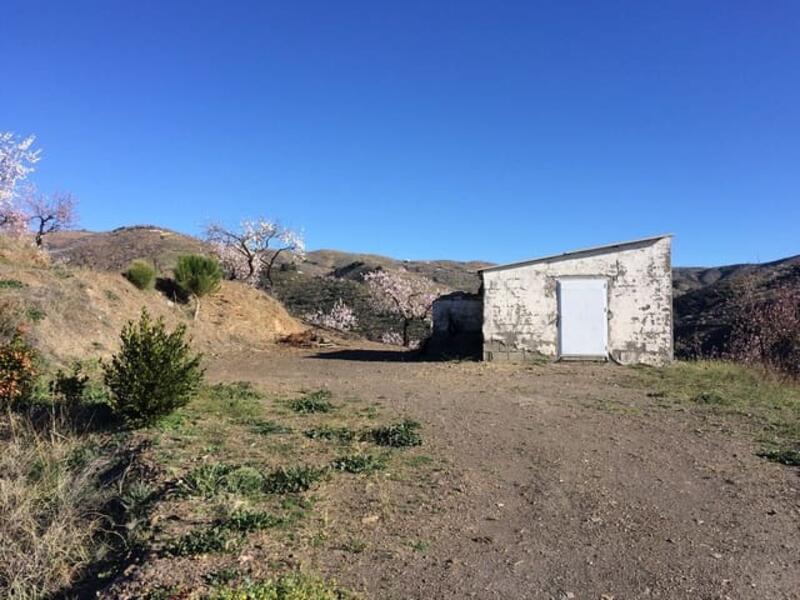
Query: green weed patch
x=312, y=402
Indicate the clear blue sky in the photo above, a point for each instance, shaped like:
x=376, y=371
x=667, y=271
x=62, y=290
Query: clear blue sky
x=422, y=129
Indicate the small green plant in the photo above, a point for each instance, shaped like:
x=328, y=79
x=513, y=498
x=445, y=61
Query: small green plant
x=201, y=541
x=198, y=275
x=154, y=372
x=244, y=480
x=235, y=391
x=354, y=546
x=420, y=546
x=312, y=402
x=358, y=463
x=292, y=586
x=713, y=398
x=17, y=372
x=784, y=456
x=211, y=479
x=243, y=521
x=398, y=435
x=141, y=274
x=326, y=432
x=262, y=427
x=11, y=284
x=35, y=314
x=293, y=480
x=112, y=296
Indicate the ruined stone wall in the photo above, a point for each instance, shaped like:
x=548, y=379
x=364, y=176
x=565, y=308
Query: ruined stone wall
x=520, y=308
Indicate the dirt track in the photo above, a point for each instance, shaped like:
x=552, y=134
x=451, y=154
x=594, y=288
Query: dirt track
x=562, y=481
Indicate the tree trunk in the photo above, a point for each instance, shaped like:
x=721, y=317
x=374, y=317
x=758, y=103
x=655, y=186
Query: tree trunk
x=196, y=307
x=406, y=341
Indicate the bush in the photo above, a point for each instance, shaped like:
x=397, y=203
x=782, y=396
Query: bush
x=291, y=586
x=141, y=274
x=359, y=463
x=17, y=372
x=198, y=275
x=398, y=435
x=293, y=480
x=154, y=372
x=312, y=402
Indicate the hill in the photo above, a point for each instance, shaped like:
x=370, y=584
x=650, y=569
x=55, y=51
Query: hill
x=702, y=294
x=703, y=299
x=77, y=312
x=323, y=278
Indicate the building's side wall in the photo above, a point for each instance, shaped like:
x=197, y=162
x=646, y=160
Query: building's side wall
x=521, y=304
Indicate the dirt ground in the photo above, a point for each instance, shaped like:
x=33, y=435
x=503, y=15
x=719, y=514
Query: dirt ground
x=553, y=481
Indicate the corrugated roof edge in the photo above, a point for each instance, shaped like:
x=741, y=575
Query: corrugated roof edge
x=602, y=248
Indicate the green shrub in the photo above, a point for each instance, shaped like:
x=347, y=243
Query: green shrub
x=11, y=284
x=398, y=435
x=153, y=373
x=215, y=478
x=141, y=274
x=17, y=372
x=244, y=521
x=206, y=480
x=201, y=541
x=244, y=480
x=198, y=275
x=312, y=402
x=293, y=480
x=784, y=456
x=292, y=586
x=359, y=463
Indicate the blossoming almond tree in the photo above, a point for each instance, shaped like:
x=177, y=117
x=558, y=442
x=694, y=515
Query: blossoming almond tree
x=401, y=294
x=17, y=160
x=48, y=214
x=340, y=317
x=22, y=210
x=253, y=249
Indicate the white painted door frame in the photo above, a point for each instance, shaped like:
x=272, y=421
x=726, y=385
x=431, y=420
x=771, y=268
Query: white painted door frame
x=583, y=318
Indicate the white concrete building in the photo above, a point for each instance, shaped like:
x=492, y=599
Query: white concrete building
x=611, y=302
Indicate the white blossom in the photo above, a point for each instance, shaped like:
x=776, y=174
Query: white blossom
x=340, y=317
x=254, y=248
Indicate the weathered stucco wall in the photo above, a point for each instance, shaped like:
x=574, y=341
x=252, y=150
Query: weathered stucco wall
x=520, y=304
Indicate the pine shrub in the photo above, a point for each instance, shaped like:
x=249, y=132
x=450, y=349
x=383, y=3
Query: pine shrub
x=141, y=274
x=154, y=372
x=198, y=276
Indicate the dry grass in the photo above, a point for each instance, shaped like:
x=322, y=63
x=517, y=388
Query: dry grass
x=75, y=312
x=50, y=499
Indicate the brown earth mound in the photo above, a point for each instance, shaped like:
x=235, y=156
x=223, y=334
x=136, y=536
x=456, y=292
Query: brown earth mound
x=75, y=312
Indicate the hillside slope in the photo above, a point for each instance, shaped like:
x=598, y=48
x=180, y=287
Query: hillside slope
x=76, y=312
x=702, y=294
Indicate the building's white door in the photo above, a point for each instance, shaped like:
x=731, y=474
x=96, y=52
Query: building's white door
x=582, y=318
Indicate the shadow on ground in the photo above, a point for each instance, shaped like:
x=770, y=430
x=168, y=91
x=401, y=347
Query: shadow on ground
x=366, y=355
